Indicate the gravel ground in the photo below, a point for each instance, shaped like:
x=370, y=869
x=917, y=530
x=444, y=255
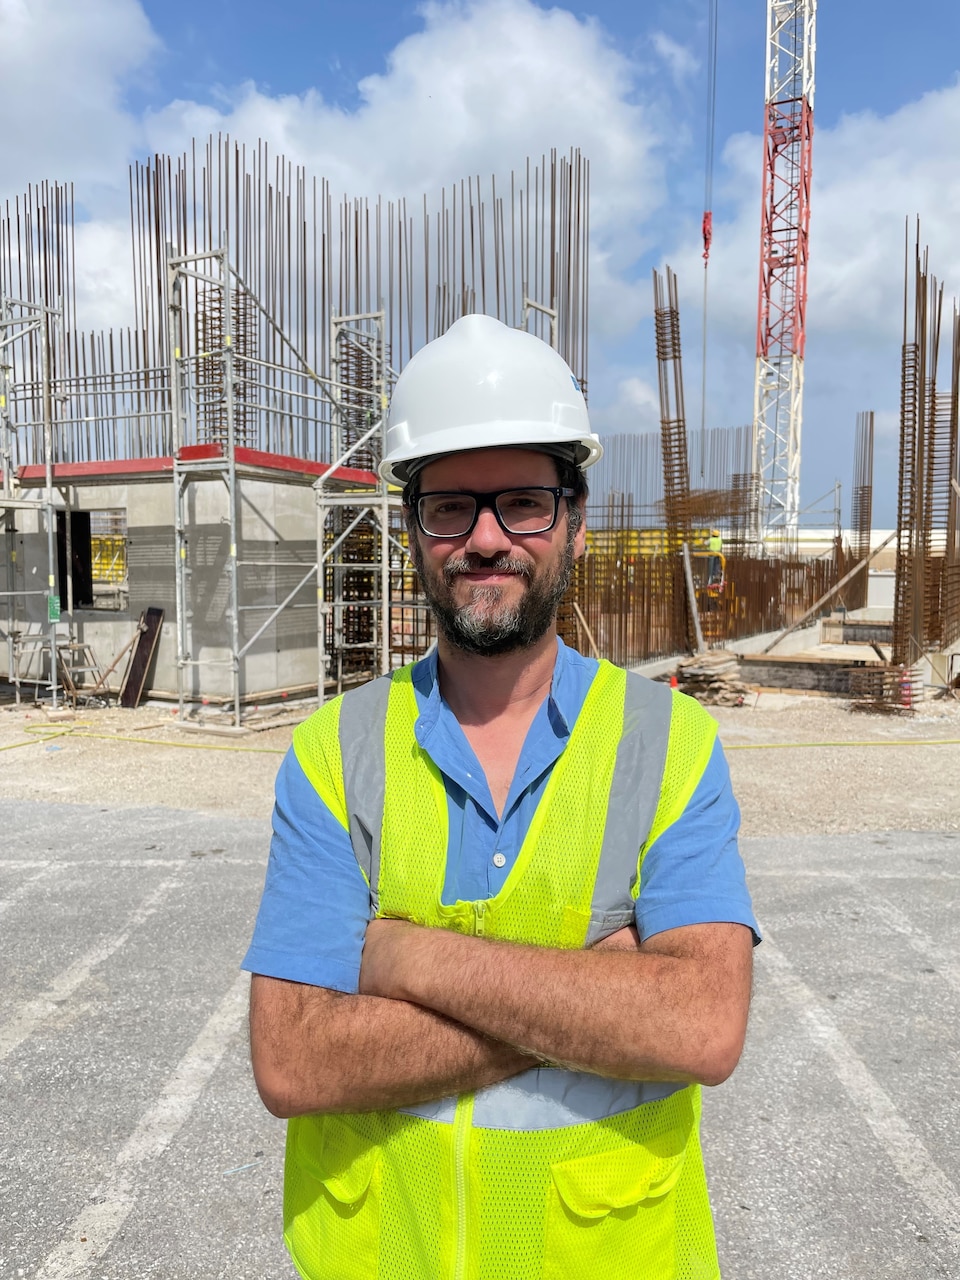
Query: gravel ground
x=800, y=765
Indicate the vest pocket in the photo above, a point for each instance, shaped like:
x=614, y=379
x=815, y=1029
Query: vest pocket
x=332, y=1199
x=613, y=1214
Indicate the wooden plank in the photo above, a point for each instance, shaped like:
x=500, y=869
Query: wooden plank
x=131, y=690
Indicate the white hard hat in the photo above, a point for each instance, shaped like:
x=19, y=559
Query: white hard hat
x=483, y=385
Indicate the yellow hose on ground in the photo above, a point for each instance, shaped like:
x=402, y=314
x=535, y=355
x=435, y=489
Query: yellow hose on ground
x=44, y=733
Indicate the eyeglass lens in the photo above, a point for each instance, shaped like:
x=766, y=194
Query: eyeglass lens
x=450, y=515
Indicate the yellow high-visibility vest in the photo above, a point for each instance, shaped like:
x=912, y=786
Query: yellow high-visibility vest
x=555, y=1174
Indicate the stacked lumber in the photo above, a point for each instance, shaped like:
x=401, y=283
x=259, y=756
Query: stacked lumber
x=713, y=678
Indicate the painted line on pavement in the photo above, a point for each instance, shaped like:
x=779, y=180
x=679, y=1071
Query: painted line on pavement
x=23, y=889
x=908, y=1155
x=36, y=1011
x=946, y=965
x=814, y=873
x=135, y=864
x=96, y=1226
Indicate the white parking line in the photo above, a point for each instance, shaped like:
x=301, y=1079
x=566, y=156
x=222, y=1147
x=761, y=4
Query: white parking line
x=95, y=1227
x=820, y=873
x=34, y=1012
x=22, y=889
x=135, y=864
x=907, y=1153
x=946, y=964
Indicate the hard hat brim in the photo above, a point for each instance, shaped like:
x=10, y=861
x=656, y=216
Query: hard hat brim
x=397, y=468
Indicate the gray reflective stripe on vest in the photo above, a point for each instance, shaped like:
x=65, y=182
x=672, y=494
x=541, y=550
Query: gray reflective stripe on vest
x=546, y=1098
x=634, y=795
x=363, y=714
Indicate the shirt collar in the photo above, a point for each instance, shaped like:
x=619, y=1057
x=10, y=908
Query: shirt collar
x=563, y=701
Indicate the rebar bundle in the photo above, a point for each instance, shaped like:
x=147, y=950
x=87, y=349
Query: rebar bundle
x=673, y=424
x=861, y=512
x=632, y=468
x=927, y=593
x=299, y=260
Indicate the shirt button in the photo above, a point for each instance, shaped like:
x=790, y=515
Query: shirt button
x=499, y=860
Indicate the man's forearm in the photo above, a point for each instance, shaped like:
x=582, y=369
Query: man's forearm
x=677, y=1013
x=319, y=1050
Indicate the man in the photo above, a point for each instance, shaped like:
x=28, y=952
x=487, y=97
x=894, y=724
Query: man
x=714, y=562
x=505, y=934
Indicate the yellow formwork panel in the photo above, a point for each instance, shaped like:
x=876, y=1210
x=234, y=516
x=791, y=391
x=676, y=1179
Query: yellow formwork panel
x=109, y=557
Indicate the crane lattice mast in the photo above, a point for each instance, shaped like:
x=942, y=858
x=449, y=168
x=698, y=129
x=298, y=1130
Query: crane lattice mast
x=784, y=250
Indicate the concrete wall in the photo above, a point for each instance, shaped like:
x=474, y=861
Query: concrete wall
x=276, y=546
x=773, y=671
x=881, y=584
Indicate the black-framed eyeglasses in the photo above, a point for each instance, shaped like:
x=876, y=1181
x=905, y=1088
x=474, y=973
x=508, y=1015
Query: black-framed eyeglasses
x=518, y=511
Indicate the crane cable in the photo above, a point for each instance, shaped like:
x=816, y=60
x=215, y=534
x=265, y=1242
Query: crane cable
x=707, y=224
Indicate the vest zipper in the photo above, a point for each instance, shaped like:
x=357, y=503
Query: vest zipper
x=462, y=1124
x=479, y=923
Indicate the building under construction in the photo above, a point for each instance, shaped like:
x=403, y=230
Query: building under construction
x=191, y=505
x=193, y=500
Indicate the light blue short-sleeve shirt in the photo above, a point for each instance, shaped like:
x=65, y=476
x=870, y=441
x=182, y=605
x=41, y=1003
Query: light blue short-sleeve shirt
x=316, y=903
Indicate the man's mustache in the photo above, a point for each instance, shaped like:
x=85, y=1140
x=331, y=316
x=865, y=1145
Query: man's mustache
x=490, y=564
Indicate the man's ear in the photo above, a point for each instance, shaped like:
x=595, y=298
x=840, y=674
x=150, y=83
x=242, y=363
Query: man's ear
x=580, y=537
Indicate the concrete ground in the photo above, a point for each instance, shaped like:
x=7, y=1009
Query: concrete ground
x=132, y=1143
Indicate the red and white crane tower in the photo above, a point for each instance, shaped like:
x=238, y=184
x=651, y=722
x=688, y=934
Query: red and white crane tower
x=784, y=252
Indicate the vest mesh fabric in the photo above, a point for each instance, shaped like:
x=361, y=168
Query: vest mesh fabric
x=316, y=744
x=605, y=1200
x=364, y=1197
x=373, y=1196
x=546, y=898
x=398, y=1197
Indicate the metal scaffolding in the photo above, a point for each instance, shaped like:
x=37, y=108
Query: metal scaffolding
x=32, y=327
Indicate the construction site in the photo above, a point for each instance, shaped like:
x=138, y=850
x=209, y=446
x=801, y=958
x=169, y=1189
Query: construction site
x=197, y=548
x=191, y=505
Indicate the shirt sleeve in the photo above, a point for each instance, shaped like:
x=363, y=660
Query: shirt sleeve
x=693, y=872
x=316, y=902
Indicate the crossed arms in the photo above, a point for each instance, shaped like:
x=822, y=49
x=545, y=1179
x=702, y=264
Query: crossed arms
x=439, y=1013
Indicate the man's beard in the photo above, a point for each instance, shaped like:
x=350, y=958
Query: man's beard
x=486, y=626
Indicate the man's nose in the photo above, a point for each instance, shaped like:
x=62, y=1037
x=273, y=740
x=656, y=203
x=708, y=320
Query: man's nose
x=486, y=537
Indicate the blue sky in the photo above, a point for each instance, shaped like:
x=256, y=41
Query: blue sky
x=113, y=80
x=869, y=57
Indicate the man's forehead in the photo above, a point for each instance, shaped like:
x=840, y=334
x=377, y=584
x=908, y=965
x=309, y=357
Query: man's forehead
x=524, y=465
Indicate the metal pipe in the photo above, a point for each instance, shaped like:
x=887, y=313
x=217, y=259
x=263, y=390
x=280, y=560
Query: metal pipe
x=53, y=611
x=231, y=473
x=277, y=611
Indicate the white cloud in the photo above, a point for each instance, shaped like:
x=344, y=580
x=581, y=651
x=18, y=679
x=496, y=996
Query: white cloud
x=102, y=262
x=871, y=173
x=680, y=61
x=636, y=407
x=65, y=67
x=483, y=86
